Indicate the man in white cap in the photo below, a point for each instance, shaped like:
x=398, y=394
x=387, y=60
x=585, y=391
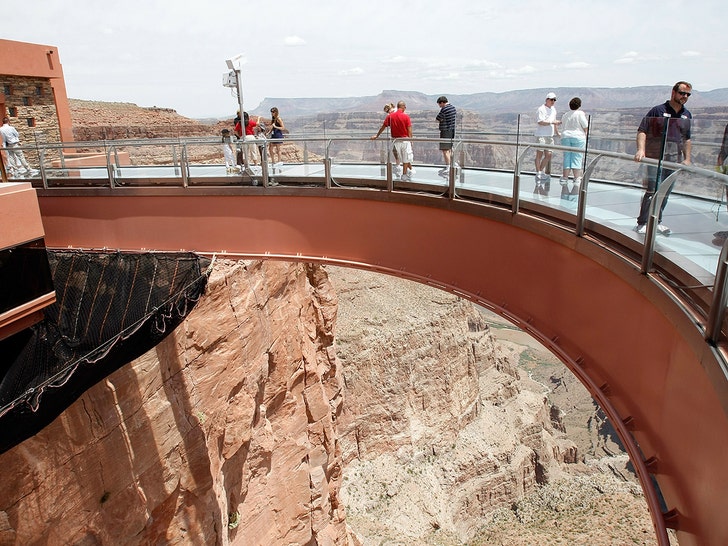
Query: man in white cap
x=546, y=128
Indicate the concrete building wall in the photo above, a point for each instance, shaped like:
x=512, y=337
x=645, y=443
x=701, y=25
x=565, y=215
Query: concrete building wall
x=33, y=92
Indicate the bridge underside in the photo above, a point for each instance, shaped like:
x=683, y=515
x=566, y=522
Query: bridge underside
x=639, y=354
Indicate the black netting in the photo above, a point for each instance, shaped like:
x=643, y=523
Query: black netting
x=110, y=308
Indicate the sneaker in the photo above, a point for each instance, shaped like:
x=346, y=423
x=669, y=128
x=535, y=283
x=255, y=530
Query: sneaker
x=663, y=229
x=406, y=177
x=641, y=228
x=397, y=171
x=563, y=181
x=442, y=171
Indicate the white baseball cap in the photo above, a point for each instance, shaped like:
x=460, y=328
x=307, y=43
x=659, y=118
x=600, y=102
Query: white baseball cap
x=551, y=96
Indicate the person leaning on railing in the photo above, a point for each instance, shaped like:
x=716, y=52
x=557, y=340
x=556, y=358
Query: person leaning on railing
x=400, y=126
x=663, y=134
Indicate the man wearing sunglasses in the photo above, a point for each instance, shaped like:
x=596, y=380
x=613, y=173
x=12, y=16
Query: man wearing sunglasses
x=546, y=128
x=664, y=134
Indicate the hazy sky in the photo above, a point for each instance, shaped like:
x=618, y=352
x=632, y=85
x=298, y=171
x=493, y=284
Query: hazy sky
x=172, y=54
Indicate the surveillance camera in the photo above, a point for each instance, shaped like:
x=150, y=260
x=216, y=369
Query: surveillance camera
x=231, y=62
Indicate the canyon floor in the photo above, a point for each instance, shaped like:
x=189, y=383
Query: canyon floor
x=595, y=502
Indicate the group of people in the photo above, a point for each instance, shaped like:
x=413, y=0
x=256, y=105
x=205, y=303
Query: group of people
x=254, y=134
x=17, y=164
x=574, y=125
x=663, y=134
x=400, y=128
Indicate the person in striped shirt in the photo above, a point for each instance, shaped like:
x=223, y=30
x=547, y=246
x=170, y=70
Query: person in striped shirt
x=446, y=117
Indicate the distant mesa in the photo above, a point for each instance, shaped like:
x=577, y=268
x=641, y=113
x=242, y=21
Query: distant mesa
x=594, y=99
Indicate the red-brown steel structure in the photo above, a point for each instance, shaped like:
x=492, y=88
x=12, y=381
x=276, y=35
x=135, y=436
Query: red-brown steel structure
x=620, y=331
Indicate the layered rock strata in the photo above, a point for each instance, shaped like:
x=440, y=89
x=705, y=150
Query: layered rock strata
x=438, y=427
x=223, y=434
x=238, y=428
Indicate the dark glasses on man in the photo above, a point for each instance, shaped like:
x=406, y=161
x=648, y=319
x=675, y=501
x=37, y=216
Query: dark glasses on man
x=683, y=93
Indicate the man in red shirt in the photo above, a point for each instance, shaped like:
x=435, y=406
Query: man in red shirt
x=400, y=125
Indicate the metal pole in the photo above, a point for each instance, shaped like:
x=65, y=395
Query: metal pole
x=718, y=305
x=239, y=88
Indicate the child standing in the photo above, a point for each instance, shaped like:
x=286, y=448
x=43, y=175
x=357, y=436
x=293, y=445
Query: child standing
x=228, y=152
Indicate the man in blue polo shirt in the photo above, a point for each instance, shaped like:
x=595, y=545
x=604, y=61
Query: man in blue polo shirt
x=664, y=134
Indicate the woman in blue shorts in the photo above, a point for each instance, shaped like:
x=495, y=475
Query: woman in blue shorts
x=574, y=125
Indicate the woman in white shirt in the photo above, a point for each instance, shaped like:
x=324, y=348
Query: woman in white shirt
x=574, y=125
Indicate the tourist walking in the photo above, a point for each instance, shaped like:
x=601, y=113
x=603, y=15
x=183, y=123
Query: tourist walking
x=663, y=134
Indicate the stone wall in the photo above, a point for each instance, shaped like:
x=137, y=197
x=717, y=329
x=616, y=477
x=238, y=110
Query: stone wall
x=30, y=106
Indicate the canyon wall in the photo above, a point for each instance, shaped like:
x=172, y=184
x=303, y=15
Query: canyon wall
x=296, y=404
x=438, y=428
x=223, y=434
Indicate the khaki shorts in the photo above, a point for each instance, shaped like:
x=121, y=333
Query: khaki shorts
x=546, y=140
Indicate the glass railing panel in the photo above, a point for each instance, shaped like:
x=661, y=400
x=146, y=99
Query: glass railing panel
x=614, y=190
x=693, y=206
x=297, y=159
x=618, y=185
x=709, y=148
x=486, y=166
x=427, y=164
x=64, y=164
x=697, y=233
x=354, y=159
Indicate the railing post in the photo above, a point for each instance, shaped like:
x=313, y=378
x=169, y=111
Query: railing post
x=327, y=173
x=451, y=190
x=716, y=314
x=660, y=195
x=327, y=166
x=263, y=166
x=110, y=168
x=184, y=166
x=175, y=159
x=581, y=205
x=451, y=182
x=515, y=198
x=41, y=167
x=461, y=149
x=390, y=176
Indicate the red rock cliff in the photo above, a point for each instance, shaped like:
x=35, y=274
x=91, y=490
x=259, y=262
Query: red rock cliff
x=230, y=440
